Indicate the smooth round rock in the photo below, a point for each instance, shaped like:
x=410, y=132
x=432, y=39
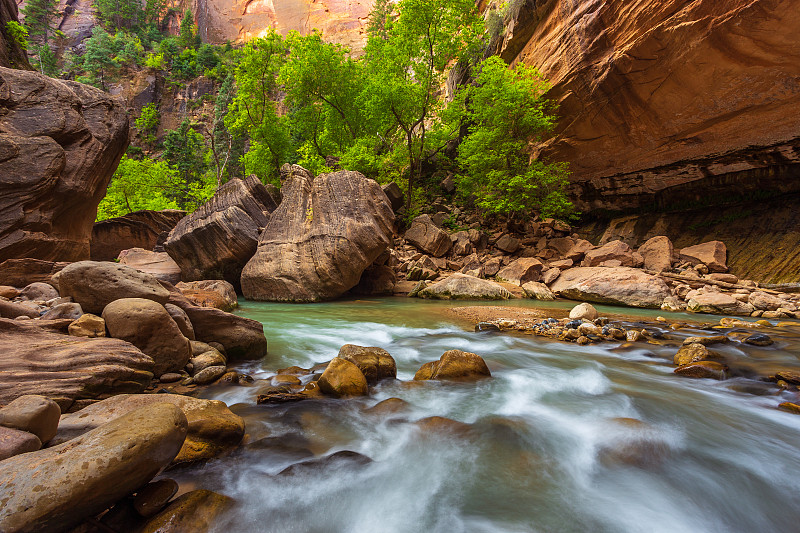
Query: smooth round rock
x=454, y=365
x=759, y=339
x=702, y=369
x=14, y=442
x=343, y=378
x=690, y=353
x=209, y=375
x=88, y=325
x=195, y=512
x=154, y=496
x=584, y=310
x=34, y=414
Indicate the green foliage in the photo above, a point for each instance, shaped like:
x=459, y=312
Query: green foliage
x=119, y=14
x=107, y=56
x=184, y=150
x=188, y=37
x=254, y=113
x=136, y=185
x=154, y=61
x=147, y=123
x=40, y=19
x=505, y=110
x=17, y=33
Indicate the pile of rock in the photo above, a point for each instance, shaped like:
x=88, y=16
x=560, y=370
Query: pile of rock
x=54, y=335
x=357, y=368
x=543, y=259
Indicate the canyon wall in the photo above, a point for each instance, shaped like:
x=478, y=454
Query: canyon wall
x=667, y=103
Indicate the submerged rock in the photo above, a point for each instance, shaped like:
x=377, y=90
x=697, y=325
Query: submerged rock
x=454, y=365
x=702, y=369
x=85, y=476
x=197, y=511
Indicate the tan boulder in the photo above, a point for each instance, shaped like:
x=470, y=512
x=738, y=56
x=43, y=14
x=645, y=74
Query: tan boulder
x=508, y=243
x=765, y=302
x=583, y=311
x=702, y=369
x=215, y=293
x=181, y=319
x=34, y=414
x=88, y=325
x=538, y=291
x=657, y=253
x=212, y=427
x=428, y=237
x=617, y=286
x=578, y=251
x=713, y=254
x=88, y=474
x=455, y=365
x=197, y=511
x=611, y=251
x=691, y=353
x=375, y=363
x=38, y=291
x=718, y=303
x=96, y=284
x=158, y=264
x=343, y=378
x=521, y=271
x=464, y=287
x=148, y=326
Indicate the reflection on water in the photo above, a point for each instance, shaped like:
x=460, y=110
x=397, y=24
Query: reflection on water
x=562, y=438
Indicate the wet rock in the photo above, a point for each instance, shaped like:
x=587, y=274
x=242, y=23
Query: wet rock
x=389, y=407
x=85, y=476
x=154, y=496
x=691, y=353
x=375, y=363
x=219, y=238
x=345, y=458
x=14, y=442
x=88, y=325
x=789, y=376
x=170, y=377
x=38, y=291
x=455, y=365
x=95, y=284
x=464, y=287
x=428, y=237
x=206, y=359
x=65, y=368
x=707, y=341
x=209, y=375
x=759, y=339
x=713, y=254
x=486, y=326
x=521, y=271
x=538, y=291
x=318, y=243
x=440, y=425
x=632, y=442
x=618, y=286
x=342, y=379
x=212, y=427
x=657, y=253
x=34, y=414
x=215, y=293
x=790, y=407
x=197, y=511
x=149, y=327
x=158, y=264
x=584, y=310
x=702, y=369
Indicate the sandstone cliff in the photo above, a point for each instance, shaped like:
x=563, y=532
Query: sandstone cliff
x=667, y=102
x=11, y=54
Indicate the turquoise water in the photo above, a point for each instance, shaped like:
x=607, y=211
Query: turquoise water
x=547, y=446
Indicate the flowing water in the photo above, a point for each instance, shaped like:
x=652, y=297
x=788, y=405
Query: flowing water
x=547, y=444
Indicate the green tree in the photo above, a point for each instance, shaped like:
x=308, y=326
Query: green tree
x=147, y=123
x=118, y=14
x=184, y=150
x=408, y=69
x=40, y=18
x=505, y=111
x=254, y=112
x=188, y=37
x=137, y=185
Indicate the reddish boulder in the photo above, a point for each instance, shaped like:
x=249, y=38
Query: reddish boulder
x=140, y=229
x=611, y=251
x=616, y=286
x=713, y=254
x=521, y=271
x=428, y=237
x=657, y=253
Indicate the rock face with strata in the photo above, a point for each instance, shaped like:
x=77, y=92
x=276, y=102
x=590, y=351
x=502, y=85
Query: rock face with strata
x=664, y=102
x=159, y=264
x=66, y=368
x=140, y=229
x=85, y=476
x=616, y=286
x=60, y=142
x=11, y=53
x=320, y=240
x=218, y=239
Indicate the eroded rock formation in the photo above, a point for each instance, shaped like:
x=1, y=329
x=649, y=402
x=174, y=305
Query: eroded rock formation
x=320, y=240
x=667, y=102
x=140, y=229
x=60, y=142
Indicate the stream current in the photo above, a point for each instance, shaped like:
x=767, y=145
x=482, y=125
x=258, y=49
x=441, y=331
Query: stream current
x=562, y=438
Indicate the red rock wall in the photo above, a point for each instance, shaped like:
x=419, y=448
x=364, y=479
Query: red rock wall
x=668, y=102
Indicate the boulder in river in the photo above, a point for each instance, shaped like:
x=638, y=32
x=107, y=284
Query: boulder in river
x=465, y=287
x=702, y=369
x=616, y=286
x=148, y=326
x=197, y=512
x=217, y=240
x=64, y=368
x=320, y=240
x=454, y=365
x=57, y=488
x=95, y=284
x=691, y=353
x=343, y=378
x=61, y=142
x=212, y=427
x=375, y=363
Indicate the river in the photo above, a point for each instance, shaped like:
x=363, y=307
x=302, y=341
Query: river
x=562, y=437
